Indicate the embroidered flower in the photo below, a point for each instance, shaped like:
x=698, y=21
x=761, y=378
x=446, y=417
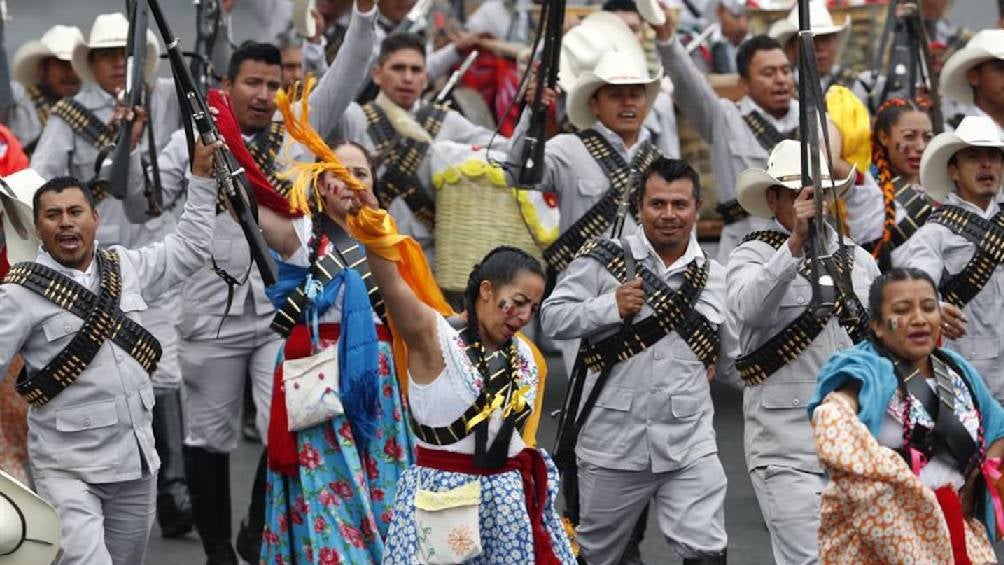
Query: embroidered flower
x=320, y=524
x=329, y=556
x=393, y=449
x=269, y=537
x=386, y=516
x=308, y=552
x=346, y=431
x=327, y=498
x=341, y=488
x=351, y=534
x=372, y=470
x=309, y=457
x=388, y=391
x=329, y=436
x=283, y=525
x=301, y=505
x=383, y=368
x=368, y=527
x=461, y=539
x=377, y=495
x=397, y=415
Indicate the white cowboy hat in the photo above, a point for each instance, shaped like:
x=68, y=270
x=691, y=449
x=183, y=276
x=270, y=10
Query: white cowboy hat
x=974, y=131
x=112, y=30
x=820, y=22
x=984, y=46
x=784, y=167
x=651, y=11
x=303, y=20
x=584, y=44
x=58, y=42
x=16, y=193
x=616, y=67
x=29, y=526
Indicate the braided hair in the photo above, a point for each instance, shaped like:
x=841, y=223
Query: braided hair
x=886, y=117
x=317, y=215
x=500, y=266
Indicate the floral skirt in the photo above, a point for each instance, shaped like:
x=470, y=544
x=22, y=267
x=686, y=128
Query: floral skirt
x=506, y=535
x=338, y=509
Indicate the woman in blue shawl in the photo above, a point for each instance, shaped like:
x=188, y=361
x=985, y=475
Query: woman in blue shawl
x=910, y=438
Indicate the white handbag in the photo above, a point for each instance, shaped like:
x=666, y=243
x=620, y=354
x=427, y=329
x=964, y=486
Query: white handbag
x=311, y=387
x=448, y=524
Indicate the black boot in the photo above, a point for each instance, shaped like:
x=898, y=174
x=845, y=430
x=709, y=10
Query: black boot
x=719, y=559
x=209, y=486
x=174, y=510
x=249, y=536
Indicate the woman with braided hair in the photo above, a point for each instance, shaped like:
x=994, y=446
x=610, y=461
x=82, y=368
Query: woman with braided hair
x=910, y=437
x=900, y=134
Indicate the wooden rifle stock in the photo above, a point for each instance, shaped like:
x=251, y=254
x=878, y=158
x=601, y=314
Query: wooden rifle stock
x=532, y=158
x=227, y=171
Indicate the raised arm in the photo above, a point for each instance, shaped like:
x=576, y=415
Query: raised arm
x=279, y=232
x=697, y=100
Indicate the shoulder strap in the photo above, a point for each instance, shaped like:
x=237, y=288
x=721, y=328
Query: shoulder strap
x=103, y=320
x=264, y=149
x=43, y=104
x=917, y=208
x=765, y=132
x=988, y=238
x=85, y=123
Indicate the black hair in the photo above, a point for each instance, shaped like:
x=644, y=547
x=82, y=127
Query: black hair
x=876, y=294
x=318, y=216
x=670, y=170
x=399, y=41
x=57, y=185
x=749, y=48
x=619, y=6
x=500, y=267
x=253, y=51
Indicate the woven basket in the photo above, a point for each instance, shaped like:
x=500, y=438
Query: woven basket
x=475, y=212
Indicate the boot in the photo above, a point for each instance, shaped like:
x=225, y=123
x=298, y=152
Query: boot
x=249, y=536
x=719, y=559
x=209, y=487
x=174, y=510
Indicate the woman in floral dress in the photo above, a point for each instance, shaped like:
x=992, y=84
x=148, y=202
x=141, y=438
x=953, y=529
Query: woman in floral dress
x=910, y=437
x=330, y=487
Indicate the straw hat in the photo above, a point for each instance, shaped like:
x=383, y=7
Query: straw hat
x=784, y=167
x=974, y=131
x=29, y=526
x=112, y=30
x=616, y=67
x=58, y=42
x=820, y=22
x=584, y=44
x=984, y=46
x=16, y=193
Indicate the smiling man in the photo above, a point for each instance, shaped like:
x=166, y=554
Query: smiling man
x=89, y=360
x=964, y=170
x=653, y=339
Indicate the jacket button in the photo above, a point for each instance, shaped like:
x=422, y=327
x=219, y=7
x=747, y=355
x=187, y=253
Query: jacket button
x=795, y=402
x=800, y=299
x=658, y=355
x=87, y=422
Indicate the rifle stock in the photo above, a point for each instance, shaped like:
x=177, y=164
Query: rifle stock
x=532, y=157
x=118, y=179
x=226, y=170
x=207, y=24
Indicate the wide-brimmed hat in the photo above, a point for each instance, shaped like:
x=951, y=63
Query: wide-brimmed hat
x=582, y=47
x=984, y=46
x=29, y=526
x=16, y=193
x=303, y=18
x=616, y=67
x=58, y=42
x=820, y=22
x=651, y=11
x=974, y=131
x=784, y=168
x=734, y=7
x=108, y=31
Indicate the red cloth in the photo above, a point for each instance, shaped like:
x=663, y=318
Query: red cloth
x=282, y=454
x=496, y=78
x=13, y=160
x=951, y=507
x=4, y=264
x=532, y=470
x=226, y=122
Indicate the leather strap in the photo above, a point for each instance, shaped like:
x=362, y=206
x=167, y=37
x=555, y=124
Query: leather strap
x=987, y=236
x=766, y=134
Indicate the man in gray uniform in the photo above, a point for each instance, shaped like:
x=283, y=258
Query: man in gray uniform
x=973, y=79
x=651, y=342
x=783, y=344
x=43, y=75
x=958, y=244
x=89, y=361
x=75, y=141
x=225, y=315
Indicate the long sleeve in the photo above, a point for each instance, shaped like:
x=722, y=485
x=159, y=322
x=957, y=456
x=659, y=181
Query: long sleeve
x=53, y=153
x=728, y=350
x=173, y=163
x=514, y=159
x=314, y=60
x=577, y=307
x=13, y=329
x=165, y=264
x=697, y=100
x=440, y=61
x=755, y=287
x=922, y=251
x=350, y=68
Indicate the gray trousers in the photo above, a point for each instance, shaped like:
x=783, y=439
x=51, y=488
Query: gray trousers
x=789, y=501
x=689, y=504
x=102, y=524
x=215, y=370
x=161, y=319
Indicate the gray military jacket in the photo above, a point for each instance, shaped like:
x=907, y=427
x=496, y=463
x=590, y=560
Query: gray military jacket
x=98, y=429
x=941, y=253
x=720, y=123
x=655, y=412
x=205, y=294
x=24, y=121
x=765, y=294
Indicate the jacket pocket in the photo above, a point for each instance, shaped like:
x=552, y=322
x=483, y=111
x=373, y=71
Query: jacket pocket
x=787, y=396
x=132, y=302
x=87, y=417
x=979, y=348
x=604, y=431
x=61, y=325
x=592, y=187
x=686, y=406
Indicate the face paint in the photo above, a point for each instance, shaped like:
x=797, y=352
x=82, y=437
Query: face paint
x=507, y=308
x=893, y=323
